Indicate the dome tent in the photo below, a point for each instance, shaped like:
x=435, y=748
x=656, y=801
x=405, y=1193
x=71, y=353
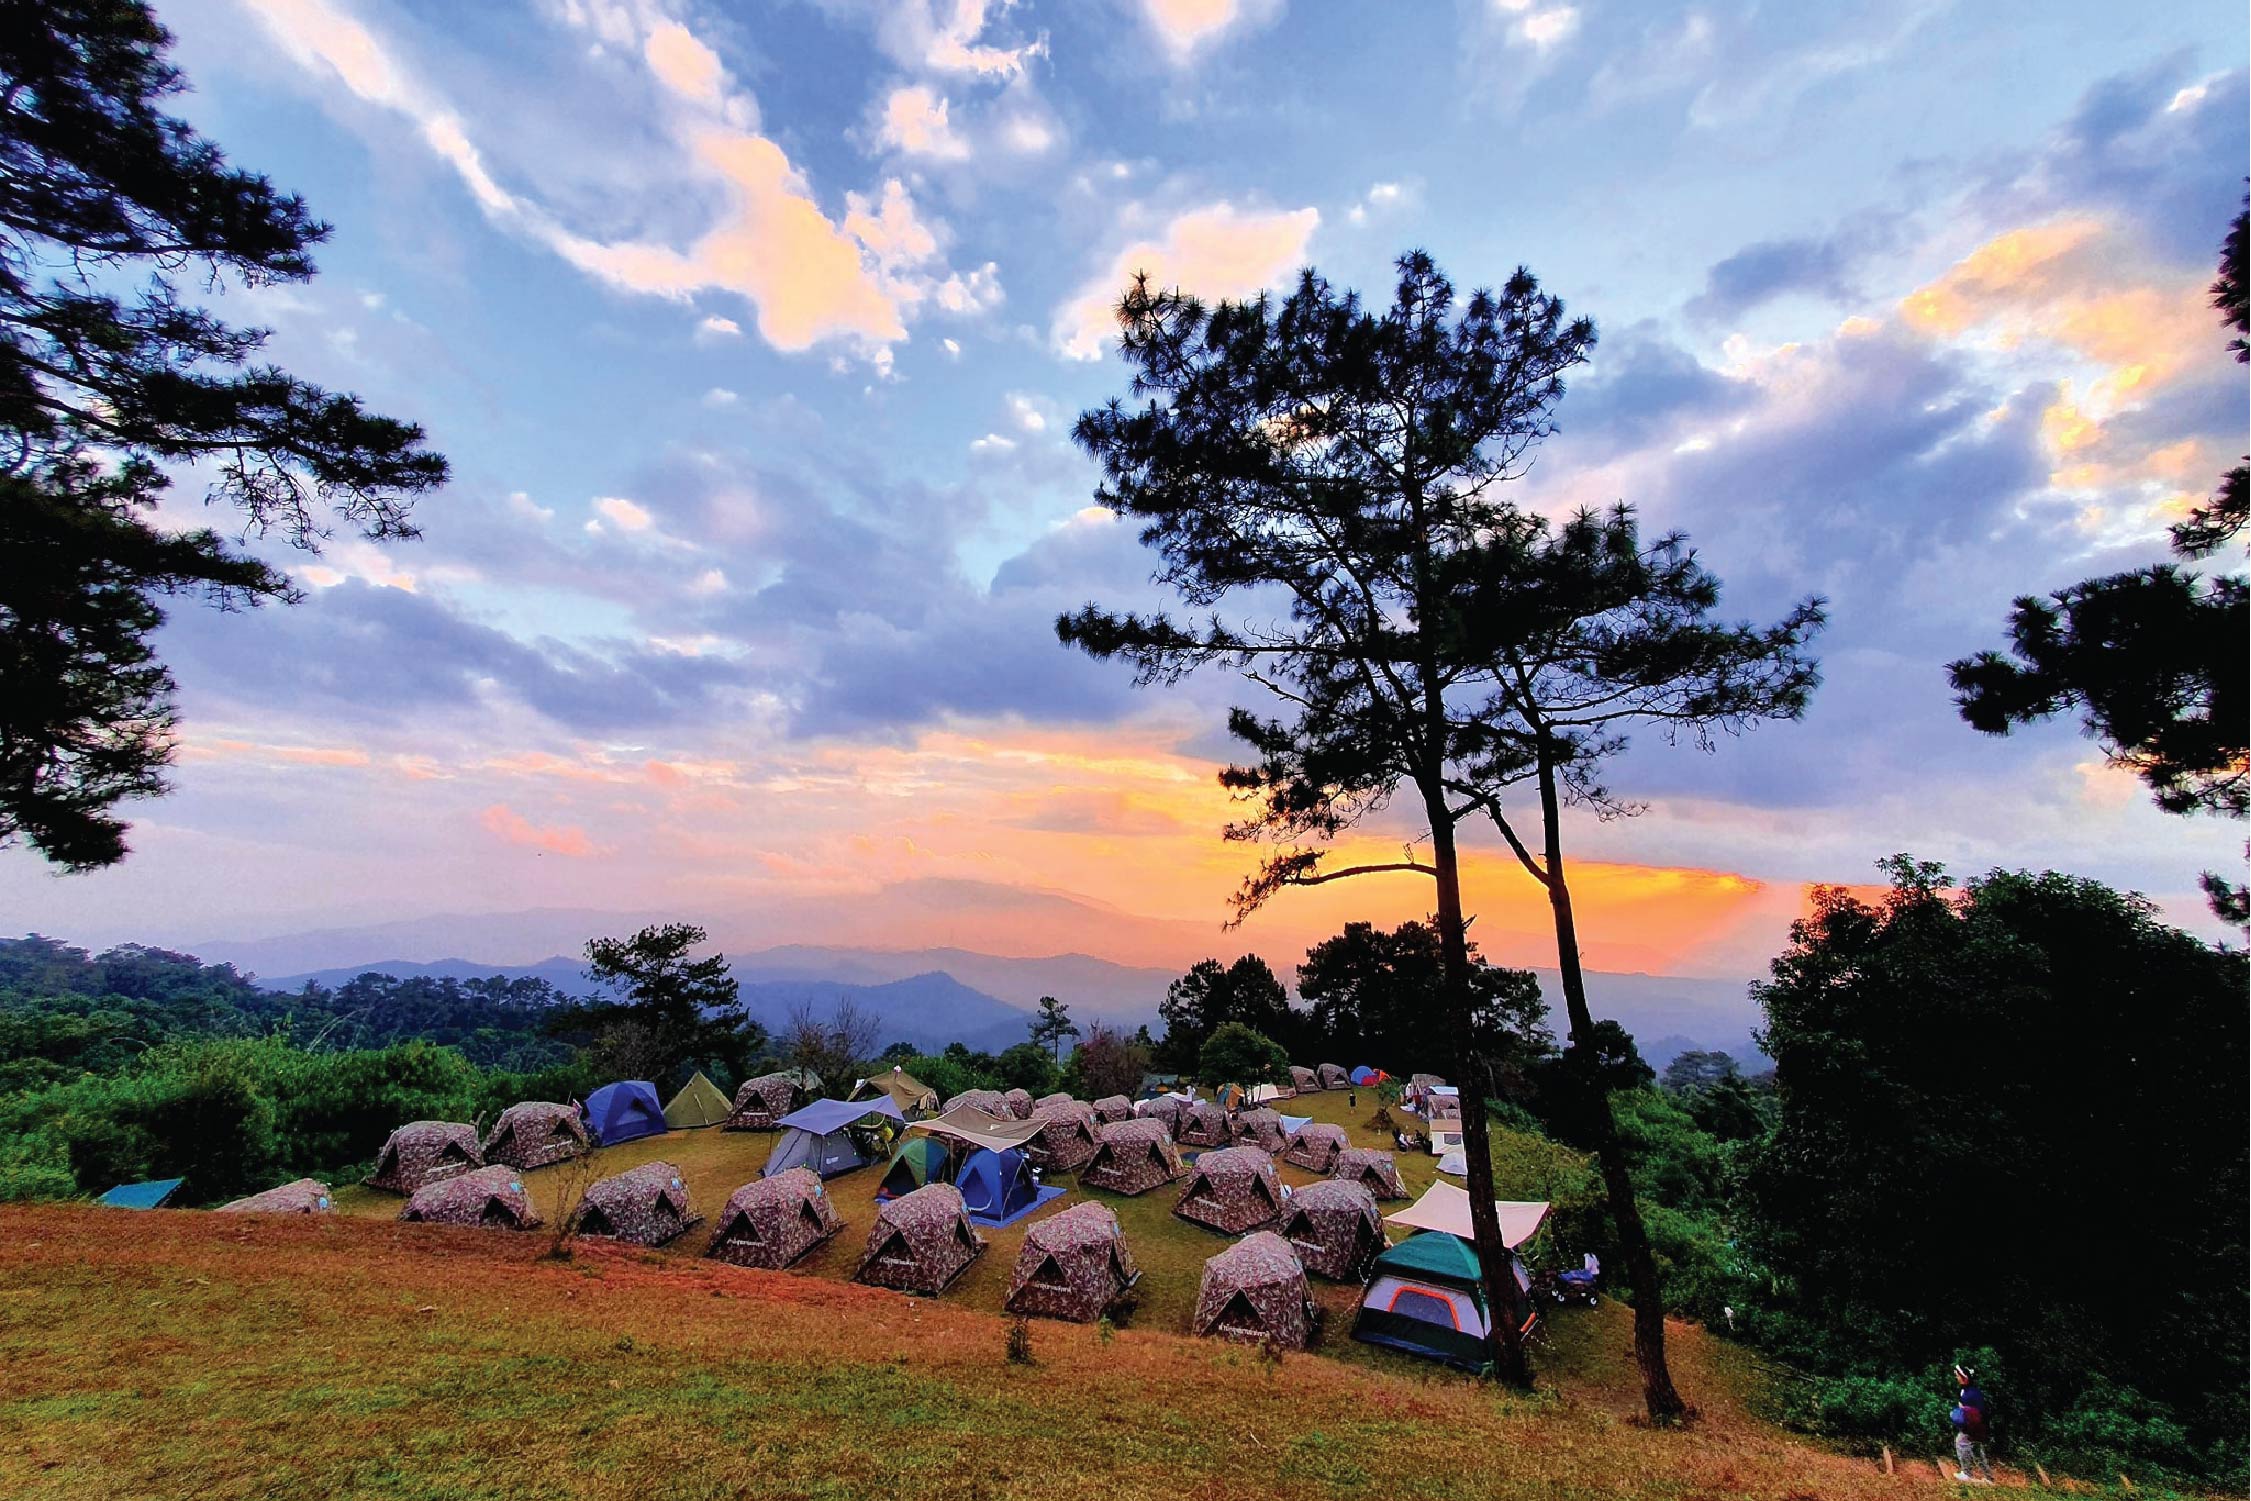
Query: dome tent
x=625, y=1111
x=1132, y=1158
x=1165, y=1110
x=535, y=1133
x=919, y=1160
x=833, y=1136
x=1074, y=1266
x=1304, y=1080
x=999, y=1188
x=1315, y=1146
x=991, y=1101
x=761, y=1103
x=1066, y=1137
x=773, y=1222
x=490, y=1197
x=1019, y=1103
x=1203, y=1124
x=1373, y=1170
x=920, y=1243
x=424, y=1152
x=1111, y=1108
x=1333, y=1076
x=647, y=1205
x=1334, y=1228
x=1426, y=1296
x=1255, y=1290
x=1231, y=1190
x=305, y=1196
x=1261, y=1128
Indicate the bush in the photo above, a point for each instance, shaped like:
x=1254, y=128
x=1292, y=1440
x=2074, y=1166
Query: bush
x=1237, y=1055
x=1027, y=1066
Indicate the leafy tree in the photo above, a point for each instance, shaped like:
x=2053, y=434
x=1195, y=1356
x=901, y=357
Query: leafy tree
x=1347, y=465
x=1370, y=992
x=2157, y=662
x=2010, y=1116
x=1053, y=1024
x=1025, y=1065
x=1235, y=1054
x=690, y=1009
x=1107, y=1063
x=1698, y=1069
x=1211, y=995
x=109, y=380
x=834, y=1049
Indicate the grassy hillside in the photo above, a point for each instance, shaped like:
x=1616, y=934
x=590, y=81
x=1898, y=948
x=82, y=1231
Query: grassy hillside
x=189, y=1354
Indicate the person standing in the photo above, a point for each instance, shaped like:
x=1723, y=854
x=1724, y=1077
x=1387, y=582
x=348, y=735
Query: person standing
x=1973, y=1428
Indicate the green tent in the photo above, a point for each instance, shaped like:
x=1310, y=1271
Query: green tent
x=1426, y=1296
x=920, y=1160
x=699, y=1103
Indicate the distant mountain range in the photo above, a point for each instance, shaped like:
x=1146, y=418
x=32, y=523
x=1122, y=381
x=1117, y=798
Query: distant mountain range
x=929, y=997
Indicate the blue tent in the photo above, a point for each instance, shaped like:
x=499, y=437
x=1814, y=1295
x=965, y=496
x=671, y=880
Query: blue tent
x=625, y=1111
x=834, y=1136
x=1363, y=1074
x=998, y=1187
x=150, y=1195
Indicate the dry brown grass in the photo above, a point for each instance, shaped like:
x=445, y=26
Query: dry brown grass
x=186, y=1354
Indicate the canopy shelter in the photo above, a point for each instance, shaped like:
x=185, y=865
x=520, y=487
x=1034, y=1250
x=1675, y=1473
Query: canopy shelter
x=915, y=1099
x=920, y=1160
x=1426, y=1296
x=154, y=1194
x=1000, y=1188
x=1445, y=1207
x=834, y=1136
x=699, y=1103
x=624, y=1111
x=965, y=1123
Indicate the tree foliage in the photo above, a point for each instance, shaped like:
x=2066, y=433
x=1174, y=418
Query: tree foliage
x=1212, y=994
x=2010, y=1116
x=1053, y=1024
x=110, y=382
x=1372, y=991
x=677, y=1011
x=1107, y=1063
x=1236, y=1054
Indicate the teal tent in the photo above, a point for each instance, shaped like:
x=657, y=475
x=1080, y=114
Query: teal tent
x=154, y=1194
x=919, y=1160
x=1426, y=1297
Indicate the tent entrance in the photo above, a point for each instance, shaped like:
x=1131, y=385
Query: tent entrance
x=1048, y=1277
x=1240, y=1320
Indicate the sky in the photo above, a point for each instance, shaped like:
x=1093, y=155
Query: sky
x=755, y=334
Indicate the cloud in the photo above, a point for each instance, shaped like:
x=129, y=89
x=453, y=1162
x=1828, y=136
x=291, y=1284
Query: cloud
x=1185, y=27
x=1218, y=251
x=948, y=36
x=1773, y=268
x=510, y=827
x=719, y=396
x=810, y=279
x=625, y=515
x=915, y=121
x=713, y=329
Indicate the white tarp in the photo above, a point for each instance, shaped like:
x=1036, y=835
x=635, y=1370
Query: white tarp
x=1445, y=1207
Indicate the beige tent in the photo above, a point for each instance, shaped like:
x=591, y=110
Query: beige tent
x=967, y=1123
x=699, y=1103
x=1446, y=1208
x=915, y=1099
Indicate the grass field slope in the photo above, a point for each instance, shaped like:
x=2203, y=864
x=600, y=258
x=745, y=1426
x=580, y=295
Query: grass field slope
x=187, y=1354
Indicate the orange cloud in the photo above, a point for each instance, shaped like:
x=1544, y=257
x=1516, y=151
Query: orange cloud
x=1215, y=251
x=512, y=827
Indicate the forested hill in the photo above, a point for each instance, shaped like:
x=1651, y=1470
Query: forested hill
x=65, y=1012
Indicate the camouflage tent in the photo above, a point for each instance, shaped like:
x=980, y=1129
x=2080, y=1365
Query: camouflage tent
x=1074, y=1266
x=1444, y=1104
x=1203, y=1124
x=1303, y=1079
x=1060, y=1097
x=1231, y=1190
x=1019, y=1102
x=761, y=1103
x=1316, y=1146
x=774, y=1221
x=1132, y=1157
x=1066, y=1137
x=1166, y=1111
x=1258, y=1127
x=1372, y=1170
x=492, y=1197
x=1255, y=1290
x=647, y=1205
x=1333, y=1076
x=423, y=1152
x=1335, y=1229
x=991, y=1101
x=920, y=1242
x=1113, y=1107
x=534, y=1133
x=305, y=1196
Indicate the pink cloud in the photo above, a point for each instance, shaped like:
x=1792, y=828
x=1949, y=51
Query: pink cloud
x=513, y=828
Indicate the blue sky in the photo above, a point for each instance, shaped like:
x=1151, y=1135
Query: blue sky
x=754, y=334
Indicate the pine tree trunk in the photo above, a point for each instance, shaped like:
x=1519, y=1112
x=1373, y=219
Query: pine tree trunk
x=1663, y=1402
x=1503, y=1298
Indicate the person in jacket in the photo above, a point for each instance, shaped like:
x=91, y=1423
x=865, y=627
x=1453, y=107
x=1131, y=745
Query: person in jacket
x=1973, y=1428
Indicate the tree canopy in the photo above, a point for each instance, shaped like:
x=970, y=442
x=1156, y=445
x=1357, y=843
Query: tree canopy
x=112, y=383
